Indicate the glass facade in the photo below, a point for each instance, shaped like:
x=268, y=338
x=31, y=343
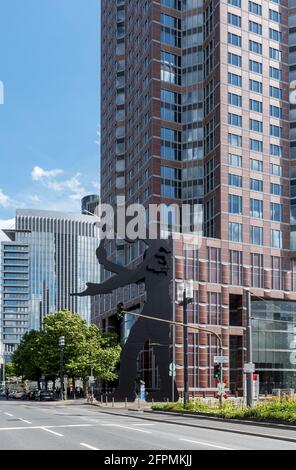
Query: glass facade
x=274, y=343
x=50, y=256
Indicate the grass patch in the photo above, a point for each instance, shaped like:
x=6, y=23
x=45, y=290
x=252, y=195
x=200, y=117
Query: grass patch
x=271, y=410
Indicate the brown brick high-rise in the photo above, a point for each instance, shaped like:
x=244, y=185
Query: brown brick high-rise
x=195, y=109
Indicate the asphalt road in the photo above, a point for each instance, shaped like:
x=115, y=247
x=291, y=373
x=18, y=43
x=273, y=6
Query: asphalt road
x=54, y=426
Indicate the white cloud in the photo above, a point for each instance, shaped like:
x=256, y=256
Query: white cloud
x=5, y=200
x=35, y=198
x=71, y=187
x=39, y=174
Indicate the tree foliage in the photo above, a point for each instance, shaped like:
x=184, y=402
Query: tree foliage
x=86, y=348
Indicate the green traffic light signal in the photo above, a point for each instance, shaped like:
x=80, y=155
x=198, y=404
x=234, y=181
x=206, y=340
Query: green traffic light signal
x=217, y=371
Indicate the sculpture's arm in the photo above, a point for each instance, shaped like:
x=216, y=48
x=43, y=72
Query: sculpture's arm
x=106, y=263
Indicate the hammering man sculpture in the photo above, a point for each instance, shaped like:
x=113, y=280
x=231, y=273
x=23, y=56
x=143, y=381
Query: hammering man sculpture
x=156, y=272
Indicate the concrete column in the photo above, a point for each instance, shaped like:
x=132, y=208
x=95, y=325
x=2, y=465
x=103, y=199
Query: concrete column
x=203, y=271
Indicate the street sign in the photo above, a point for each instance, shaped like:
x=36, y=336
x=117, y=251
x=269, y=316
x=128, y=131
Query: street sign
x=221, y=359
x=172, y=367
x=91, y=379
x=249, y=368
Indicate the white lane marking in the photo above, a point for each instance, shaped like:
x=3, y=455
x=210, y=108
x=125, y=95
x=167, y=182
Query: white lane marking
x=141, y=424
x=127, y=427
x=25, y=421
x=52, y=432
x=206, y=444
x=88, y=446
x=8, y=414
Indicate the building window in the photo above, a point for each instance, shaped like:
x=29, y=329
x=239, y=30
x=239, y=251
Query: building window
x=276, y=266
x=255, y=47
x=256, y=106
x=256, y=145
x=234, y=20
x=275, y=54
x=256, y=235
x=276, y=170
x=255, y=8
x=257, y=270
x=255, y=27
x=276, y=189
x=214, y=268
x=234, y=79
x=276, y=111
x=236, y=267
x=256, y=126
x=276, y=150
x=235, y=180
x=276, y=238
x=235, y=232
x=235, y=120
x=276, y=92
x=256, y=165
x=256, y=185
x=255, y=66
x=235, y=204
x=235, y=140
x=256, y=208
x=276, y=131
x=276, y=212
x=234, y=39
x=234, y=100
x=235, y=160
x=170, y=68
x=275, y=35
x=234, y=59
x=255, y=86
x=214, y=308
x=275, y=73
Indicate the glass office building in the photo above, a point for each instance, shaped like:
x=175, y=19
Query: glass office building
x=48, y=256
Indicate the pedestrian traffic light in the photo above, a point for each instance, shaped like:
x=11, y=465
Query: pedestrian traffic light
x=217, y=371
x=120, y=312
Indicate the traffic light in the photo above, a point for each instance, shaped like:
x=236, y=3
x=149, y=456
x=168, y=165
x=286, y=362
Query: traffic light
x=120, y=313
x=217, y=371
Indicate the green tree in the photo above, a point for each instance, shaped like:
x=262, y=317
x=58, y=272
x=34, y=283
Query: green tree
x=86, y=348
x=98, y=352
x=26, y=360
x=10, y=372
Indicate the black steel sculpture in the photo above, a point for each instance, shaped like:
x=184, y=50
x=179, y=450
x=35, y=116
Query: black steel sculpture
x=156, y=272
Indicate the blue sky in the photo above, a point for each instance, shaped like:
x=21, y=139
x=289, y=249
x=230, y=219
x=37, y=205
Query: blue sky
x=49, y=122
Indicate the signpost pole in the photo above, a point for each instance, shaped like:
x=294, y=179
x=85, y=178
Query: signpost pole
x=249, y=375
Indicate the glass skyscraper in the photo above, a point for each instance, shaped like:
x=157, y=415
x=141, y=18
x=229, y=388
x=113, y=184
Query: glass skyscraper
x=48, y=256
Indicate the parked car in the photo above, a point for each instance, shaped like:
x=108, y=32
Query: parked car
x=45, y=395
x=18, y=394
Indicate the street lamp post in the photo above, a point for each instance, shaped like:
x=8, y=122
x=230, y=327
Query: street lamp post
x=62, y=345
x=187, y=299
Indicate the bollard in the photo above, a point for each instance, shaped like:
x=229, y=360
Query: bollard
x=152, y=401
x=139, y=404
x=102, y=400
x=106, y=400
x=126, y=402
x=112, y=402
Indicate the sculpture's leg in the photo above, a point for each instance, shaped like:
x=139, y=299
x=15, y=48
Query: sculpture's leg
x=168, y=389
x=128, y=361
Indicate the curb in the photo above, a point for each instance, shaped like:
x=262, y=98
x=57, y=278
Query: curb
x=249, y=422
x=212, y=428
